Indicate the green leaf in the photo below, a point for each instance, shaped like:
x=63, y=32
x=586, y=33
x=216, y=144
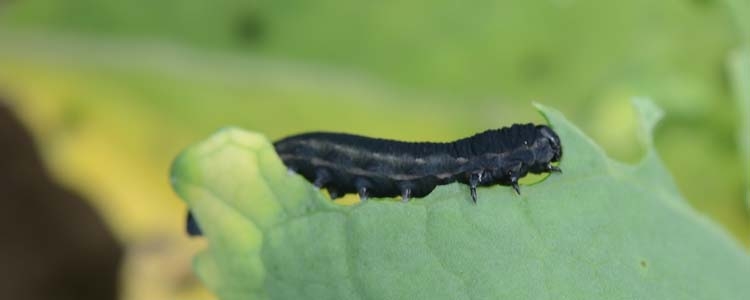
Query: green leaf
x=739, y=69
x=600, y=230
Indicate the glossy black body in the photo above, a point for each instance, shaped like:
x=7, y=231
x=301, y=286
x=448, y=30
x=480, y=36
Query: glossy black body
x=372, y=167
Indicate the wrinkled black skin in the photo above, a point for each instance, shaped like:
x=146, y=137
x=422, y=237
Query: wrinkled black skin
x=501, y=156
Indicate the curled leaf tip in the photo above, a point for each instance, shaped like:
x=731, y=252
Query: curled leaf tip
x=649, y=115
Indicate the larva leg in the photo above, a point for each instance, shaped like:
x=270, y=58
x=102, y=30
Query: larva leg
x=551, y=168
x=474, y=180
x=334, y=193
x=514, y=171
x=362, y=186
x=514, y=184
x=407, y=189
x=322, y=177
x=405, y=195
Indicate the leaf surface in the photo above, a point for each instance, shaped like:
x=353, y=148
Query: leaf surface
x=600, y=230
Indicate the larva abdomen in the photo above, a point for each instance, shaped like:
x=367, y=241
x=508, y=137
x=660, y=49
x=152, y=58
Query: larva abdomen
x=371, y=167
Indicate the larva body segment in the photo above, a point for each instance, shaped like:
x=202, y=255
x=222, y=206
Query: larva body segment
x=372, y=167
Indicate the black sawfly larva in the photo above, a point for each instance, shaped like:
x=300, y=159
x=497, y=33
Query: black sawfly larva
x=372, y=167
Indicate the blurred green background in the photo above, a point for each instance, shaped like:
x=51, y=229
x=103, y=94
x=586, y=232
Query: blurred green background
x=113, y=90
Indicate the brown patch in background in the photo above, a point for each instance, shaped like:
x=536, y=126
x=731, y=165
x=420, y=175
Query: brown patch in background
x=53, y=245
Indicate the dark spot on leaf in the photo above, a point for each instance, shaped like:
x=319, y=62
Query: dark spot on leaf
x=644, y=264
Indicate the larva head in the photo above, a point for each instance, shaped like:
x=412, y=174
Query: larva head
x=553, y=140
